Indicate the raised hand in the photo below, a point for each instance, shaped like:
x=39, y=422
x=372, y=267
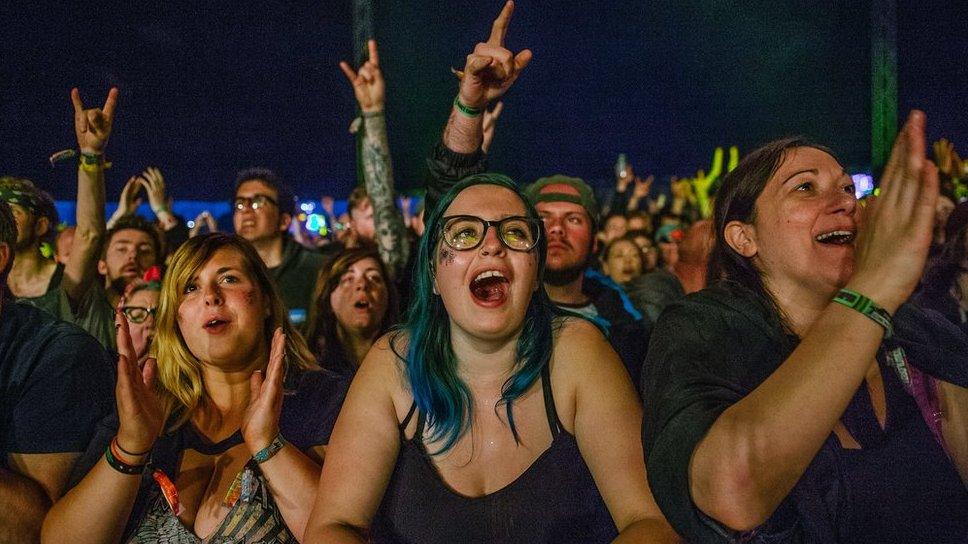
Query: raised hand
x=491, y=69
x=894, y=240
x=203, y=219
x=368, y=84
x=139, y=409
x=642, y=187
x=93, y=126
x=490, y=122
x=260, y=423
x=129, y=201
x=154, y=184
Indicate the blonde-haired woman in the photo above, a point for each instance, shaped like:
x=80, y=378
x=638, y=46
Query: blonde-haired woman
x=213, y=452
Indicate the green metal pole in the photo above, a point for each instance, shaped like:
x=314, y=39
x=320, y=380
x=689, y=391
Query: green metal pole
x=883, y=81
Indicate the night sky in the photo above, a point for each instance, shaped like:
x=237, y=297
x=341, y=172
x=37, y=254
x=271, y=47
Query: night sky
x=209, y=89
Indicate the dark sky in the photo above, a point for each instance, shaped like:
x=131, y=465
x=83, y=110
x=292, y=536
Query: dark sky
x=208, y=89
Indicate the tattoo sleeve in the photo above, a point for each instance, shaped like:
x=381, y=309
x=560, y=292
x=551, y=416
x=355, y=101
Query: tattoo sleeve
x=391, y=234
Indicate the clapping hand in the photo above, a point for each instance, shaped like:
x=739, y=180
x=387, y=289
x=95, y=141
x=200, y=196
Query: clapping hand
x=491, y=69
x=368, y=84
x=129, y=201
x=260, y=423
x=93, y=126
x=140, y=410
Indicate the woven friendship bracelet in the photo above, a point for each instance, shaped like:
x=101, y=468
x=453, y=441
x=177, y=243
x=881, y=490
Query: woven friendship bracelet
x=866, y=306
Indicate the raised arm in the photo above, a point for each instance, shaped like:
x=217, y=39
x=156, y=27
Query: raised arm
x=93, y=128
x=370, y=91
x=813, y=386
x=361, y=454
x=488, y=73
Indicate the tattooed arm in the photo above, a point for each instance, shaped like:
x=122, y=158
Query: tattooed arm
x=370, y=90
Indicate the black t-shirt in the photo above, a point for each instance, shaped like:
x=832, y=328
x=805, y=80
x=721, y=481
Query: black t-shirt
x=56, y=383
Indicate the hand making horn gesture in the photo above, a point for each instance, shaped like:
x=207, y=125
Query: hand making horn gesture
x=491, y=69
x=93, y=126
x=368, y=84
x=260, y=423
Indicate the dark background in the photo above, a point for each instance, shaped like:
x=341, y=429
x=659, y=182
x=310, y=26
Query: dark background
x=208, y=89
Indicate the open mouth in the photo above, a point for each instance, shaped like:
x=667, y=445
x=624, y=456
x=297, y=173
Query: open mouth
x=215, y=325
x=836, y=237
x=362, y=304
x=490, y=288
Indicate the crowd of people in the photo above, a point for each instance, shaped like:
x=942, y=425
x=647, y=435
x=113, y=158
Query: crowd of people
x=757, y=356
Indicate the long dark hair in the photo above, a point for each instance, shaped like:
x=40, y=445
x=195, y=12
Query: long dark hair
x=321, y=327
x=736, y=201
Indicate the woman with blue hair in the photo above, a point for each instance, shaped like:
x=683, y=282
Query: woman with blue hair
x=486, y=417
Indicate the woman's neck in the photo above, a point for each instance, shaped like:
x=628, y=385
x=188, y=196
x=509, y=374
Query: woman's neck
x=356, y=344
x=800, y=305
x=484, y=365
x=227, y=394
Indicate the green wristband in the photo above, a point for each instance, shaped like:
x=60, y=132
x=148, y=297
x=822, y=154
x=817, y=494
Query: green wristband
x=465, y=109
x=866, y=306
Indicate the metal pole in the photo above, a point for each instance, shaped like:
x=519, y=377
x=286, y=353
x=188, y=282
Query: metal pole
x=883, y=81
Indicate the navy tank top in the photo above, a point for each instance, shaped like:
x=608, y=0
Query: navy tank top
x=555, y=500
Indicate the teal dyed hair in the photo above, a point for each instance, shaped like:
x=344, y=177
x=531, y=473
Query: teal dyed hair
x=431, y=365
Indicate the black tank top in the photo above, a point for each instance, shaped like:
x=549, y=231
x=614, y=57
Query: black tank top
x=555, y=500
x=901, y=486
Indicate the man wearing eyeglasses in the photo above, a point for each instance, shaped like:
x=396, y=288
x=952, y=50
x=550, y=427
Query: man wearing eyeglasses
x=262, y=211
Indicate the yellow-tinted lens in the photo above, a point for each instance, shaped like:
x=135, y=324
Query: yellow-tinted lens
x=517, y=234
x=463, y=233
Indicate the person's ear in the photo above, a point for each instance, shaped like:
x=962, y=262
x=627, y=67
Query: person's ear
x=41, y=226
x=285, y=220
x=742, y=238
x=102, y=267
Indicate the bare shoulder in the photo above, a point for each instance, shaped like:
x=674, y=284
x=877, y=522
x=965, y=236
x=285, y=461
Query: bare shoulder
x=383, y=371
x=578, y=343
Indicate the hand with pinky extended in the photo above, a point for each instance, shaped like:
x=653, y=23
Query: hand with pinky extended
x=93, y=125
x=260, y=423
x=491, y=69
x=140, y=410
x=368, y=84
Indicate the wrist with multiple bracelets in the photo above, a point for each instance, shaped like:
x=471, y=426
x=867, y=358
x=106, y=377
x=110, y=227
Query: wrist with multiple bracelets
x=119, y=458
x=269, y=451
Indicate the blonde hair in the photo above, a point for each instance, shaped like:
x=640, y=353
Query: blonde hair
x=179, y=371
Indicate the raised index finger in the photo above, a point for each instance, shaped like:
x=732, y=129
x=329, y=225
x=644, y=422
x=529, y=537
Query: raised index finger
x=500, y=27
x=111, y=103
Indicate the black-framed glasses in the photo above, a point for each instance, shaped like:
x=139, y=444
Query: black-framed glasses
x=138, y=314
x=255, y=202
x=465, y=232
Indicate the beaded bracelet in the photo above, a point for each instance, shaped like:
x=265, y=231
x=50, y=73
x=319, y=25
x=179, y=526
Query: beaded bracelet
x=465, y=109
x=267, y=452
x=866, y=306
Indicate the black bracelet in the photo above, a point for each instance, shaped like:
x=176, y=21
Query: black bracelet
x=122, y=467
x=126, y=452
